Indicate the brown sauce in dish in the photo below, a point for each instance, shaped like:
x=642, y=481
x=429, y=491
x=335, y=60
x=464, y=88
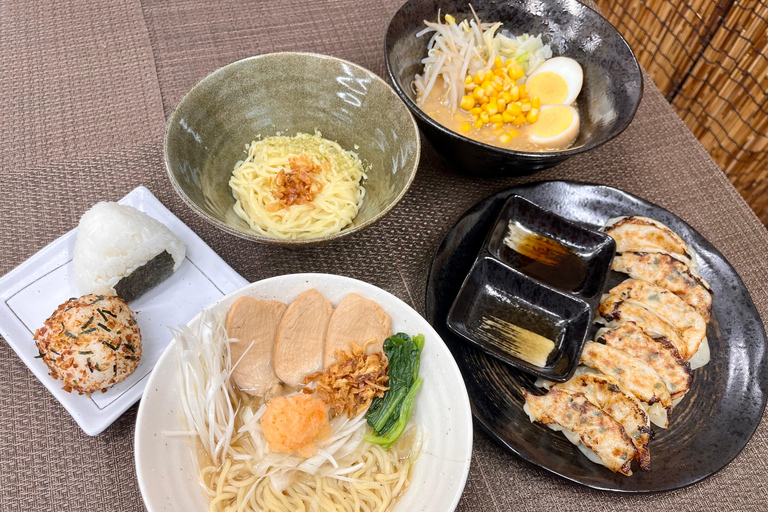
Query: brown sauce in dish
x=520, y=342
x=543, y=258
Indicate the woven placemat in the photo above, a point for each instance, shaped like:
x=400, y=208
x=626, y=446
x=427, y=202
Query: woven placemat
x=86, y=89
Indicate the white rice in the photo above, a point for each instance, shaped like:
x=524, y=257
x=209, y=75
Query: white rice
x=114, y=240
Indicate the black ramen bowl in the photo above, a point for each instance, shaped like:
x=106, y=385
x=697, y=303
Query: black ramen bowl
x=613, y=83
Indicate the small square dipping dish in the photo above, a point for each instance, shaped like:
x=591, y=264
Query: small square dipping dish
x=552, y=249
x=539, y=273
x=495, y=298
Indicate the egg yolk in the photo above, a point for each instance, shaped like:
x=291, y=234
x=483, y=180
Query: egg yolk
x=551, y=88
x=552, y=122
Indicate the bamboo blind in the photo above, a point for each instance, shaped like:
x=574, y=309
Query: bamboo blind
x=710, y=59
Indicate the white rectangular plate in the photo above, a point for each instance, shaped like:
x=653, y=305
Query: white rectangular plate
x=32, y=291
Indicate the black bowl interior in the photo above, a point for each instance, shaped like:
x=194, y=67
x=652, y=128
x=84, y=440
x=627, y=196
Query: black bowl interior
x=613, y=83
x=494, y=292
x=581, y=268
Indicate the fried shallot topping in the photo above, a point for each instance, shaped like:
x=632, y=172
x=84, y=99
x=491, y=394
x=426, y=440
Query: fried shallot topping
x=353, y=381
x=296, y=186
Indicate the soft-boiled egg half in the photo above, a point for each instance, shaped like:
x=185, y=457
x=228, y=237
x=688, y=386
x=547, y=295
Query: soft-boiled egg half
x=556, y=128
x=556, y=82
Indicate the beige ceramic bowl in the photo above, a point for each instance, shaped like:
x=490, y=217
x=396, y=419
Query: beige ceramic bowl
x=288, y=93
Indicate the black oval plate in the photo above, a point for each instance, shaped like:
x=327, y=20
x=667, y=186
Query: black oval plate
x=710, y=426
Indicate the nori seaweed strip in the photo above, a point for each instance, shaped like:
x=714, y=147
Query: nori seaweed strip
x=130, y=347
x=86, y=324
x=132, y=358
x=84, y=352
x=73, y=336
x=109, y=345
x=108, y=312
x=89, y=330
x=146, y=277
x=102, y=314
x=104, y=327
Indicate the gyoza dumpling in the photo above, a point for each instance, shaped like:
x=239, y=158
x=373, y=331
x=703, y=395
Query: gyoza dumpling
x=634, y=376
x=658, y=353
x=615, y=311
x=670, y=308
x=669, y=273
x=596, y=429
x=642, y=234
x=604, y=392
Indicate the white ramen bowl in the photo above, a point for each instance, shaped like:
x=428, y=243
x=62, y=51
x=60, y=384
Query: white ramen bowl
x=165, y=466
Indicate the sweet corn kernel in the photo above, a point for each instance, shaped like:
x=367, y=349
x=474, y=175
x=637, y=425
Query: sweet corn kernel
x=498, y=62
x=468, y=80
x=466, y=127
x=492, y=108
x=490, y=89
x=479, y=77
x=450, y=19
x=496, y=118
x=514, y=109
x=523, y=92
x=514, y=93
x=476, y=111
x=498, y=126
x=516, y=72
x=507, y=117
x=505, y=137
x=484, y=117
x=514, y=133
x=479, y=94
x=478, y=124
x=484, y=107
x=519, y=121
x=533, y=115
x=507, y=97
x=501, y=103
x=499, y=73
x=467, y=102
x=535, y=102
x=526, y=107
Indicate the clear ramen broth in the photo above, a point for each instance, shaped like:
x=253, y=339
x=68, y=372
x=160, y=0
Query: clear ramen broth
x=227, y=484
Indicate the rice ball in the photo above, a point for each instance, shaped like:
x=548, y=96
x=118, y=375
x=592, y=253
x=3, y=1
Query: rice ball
x=90, y=343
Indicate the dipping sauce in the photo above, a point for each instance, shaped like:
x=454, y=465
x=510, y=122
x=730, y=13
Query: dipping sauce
x=522, y=343
x=543, y=258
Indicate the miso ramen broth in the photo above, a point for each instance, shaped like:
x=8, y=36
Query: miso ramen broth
x=483, y=82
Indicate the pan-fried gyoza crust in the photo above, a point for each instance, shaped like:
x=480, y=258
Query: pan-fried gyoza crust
x=647, y=235
x=597, y=430
x=634, y=375
x=604, y=392
x=658, y=353
x=670, y=308
x=670, y=273
x=616, y=310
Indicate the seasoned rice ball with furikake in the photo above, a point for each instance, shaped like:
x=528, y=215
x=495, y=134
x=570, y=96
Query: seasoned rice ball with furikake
x=90, y=343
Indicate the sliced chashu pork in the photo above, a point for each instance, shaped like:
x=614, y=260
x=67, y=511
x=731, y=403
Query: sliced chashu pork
x=254, y=324
x=356, y=320
x=301, y=338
